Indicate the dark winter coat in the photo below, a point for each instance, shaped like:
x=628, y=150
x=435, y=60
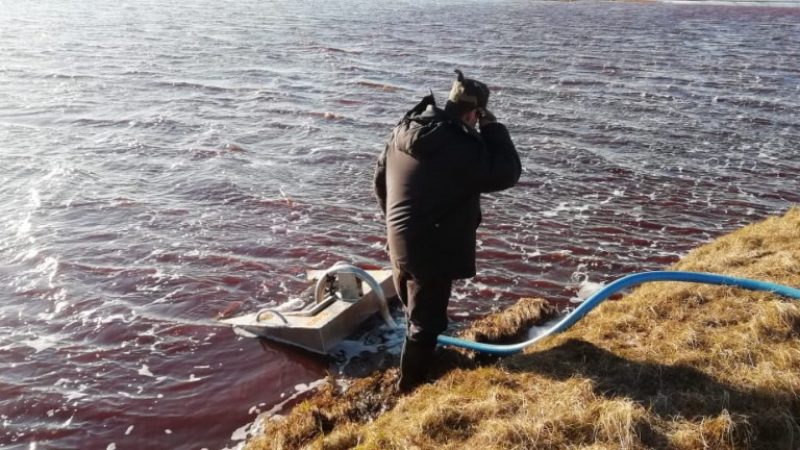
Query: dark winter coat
x=428, y=181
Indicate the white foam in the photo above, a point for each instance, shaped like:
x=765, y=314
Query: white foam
x=476, y=285
x=383, y=338
x=586, y=288
x=145, y=371
x=254, y=428
x=459, y=295
x=74, y=395
x=114, y=317
x=299, y=390
x=241, y=433
x=539, y=330
x=40, y=343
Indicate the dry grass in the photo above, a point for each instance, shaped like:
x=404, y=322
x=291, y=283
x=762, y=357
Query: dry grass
x=512, y=325
x=670, y=366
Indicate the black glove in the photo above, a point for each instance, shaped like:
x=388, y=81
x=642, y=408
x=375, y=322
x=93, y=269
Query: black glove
x=486, y=117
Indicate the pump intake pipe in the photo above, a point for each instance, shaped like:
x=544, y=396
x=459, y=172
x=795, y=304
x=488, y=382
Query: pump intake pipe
x=616, y=286
x=363, y=275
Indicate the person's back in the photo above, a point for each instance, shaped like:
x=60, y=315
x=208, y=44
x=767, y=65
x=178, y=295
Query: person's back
x=428, y=183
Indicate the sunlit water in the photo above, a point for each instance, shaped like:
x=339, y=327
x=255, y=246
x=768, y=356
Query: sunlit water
x=164, y=160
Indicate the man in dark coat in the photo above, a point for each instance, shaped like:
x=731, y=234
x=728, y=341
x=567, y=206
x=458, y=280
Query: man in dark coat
x=428, y=182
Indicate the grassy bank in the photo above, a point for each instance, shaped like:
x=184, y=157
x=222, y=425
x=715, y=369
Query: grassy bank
x=669, y=366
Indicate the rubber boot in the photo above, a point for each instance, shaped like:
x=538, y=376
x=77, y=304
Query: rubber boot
x=414, y=364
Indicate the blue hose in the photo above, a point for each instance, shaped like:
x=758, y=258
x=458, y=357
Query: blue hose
x=616, y=286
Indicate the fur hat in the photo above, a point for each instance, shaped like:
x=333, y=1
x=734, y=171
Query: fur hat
x=469, y=93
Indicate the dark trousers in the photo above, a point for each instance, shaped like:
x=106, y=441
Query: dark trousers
x=426, y=306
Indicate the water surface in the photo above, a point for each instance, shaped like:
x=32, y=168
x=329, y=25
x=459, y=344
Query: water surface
x=162, y=161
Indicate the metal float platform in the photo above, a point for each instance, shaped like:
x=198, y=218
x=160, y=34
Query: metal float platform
x=342, y=299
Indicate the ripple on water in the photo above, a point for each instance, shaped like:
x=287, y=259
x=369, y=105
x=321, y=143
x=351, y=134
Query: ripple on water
x=179, y=162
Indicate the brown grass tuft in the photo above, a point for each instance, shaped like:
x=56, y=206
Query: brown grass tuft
x=511, y=325
x=670, y=366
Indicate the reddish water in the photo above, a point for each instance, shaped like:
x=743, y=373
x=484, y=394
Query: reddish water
x=162, y=161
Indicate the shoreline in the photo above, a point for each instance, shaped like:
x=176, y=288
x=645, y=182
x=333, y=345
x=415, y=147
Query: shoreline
x=671, y=364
